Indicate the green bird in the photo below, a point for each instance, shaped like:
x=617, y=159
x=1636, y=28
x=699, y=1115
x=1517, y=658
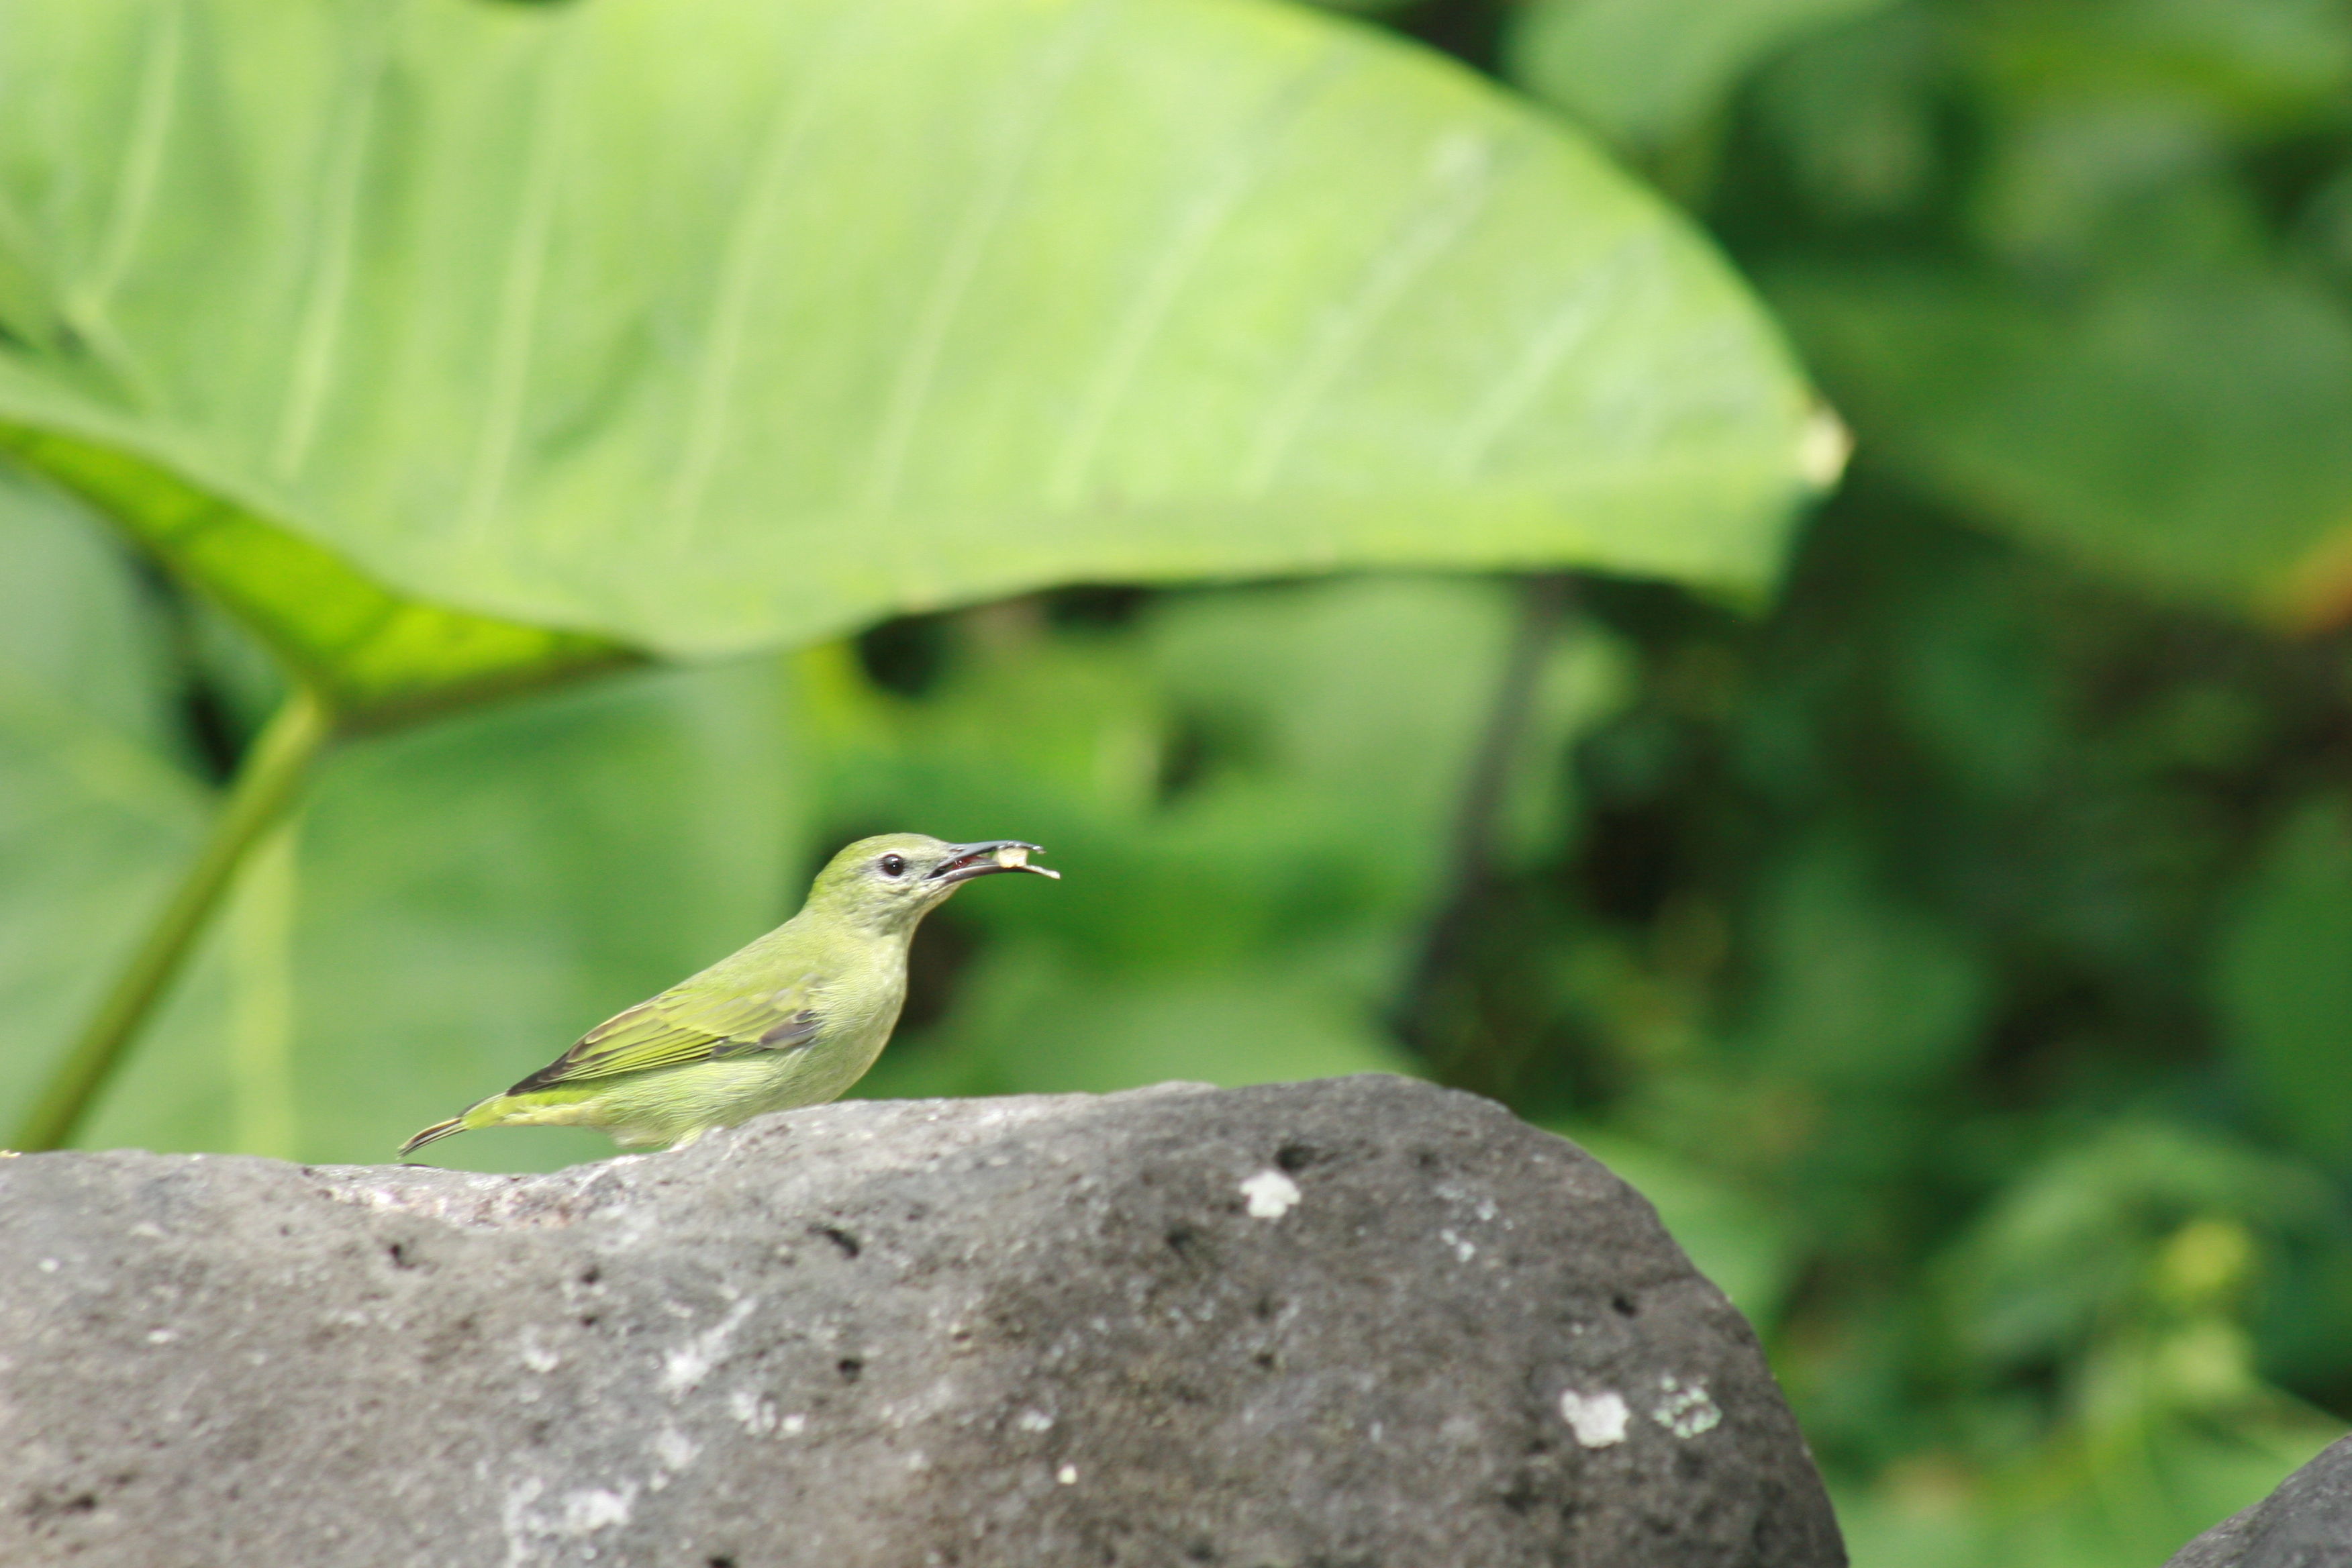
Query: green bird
x=794, y=1019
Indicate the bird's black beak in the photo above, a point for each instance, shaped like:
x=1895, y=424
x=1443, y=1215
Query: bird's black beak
x=965, y=861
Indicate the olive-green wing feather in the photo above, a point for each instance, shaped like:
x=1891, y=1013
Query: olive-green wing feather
x=684, y=1025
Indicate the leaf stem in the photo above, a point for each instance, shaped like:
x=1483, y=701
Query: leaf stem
x=1544, y=604
x=266, y=783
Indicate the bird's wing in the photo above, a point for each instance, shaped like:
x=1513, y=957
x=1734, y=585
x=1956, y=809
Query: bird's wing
x=680, y=1027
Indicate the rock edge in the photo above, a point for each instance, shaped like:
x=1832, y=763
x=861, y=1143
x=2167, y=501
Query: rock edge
x=1360, y=1323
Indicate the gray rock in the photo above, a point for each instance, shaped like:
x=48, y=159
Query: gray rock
x=2305, y=1523
x=1362, y=1323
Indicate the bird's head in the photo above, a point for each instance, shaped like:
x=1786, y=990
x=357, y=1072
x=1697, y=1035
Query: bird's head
x=889, y=882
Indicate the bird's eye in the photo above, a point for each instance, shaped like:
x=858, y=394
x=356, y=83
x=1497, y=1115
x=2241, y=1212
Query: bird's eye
x=894, y=865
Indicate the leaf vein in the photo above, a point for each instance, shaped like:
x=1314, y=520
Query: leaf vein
x=917, y=376
x=780, y=150
x=1204, y=217
x=1515, y=391
x=142, y=161
x=519, y=288
x=318, y=336
x=1462, y=170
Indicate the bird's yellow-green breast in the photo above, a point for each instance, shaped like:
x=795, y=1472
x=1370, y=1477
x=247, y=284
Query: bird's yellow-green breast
x=793, y=1019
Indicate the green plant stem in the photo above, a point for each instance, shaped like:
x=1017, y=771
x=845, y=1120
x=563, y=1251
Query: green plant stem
x=266, y=783
x=1544, y=602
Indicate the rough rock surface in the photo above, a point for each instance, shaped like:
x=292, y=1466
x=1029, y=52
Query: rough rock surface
x=1363, y=1323
x=2306, y=1523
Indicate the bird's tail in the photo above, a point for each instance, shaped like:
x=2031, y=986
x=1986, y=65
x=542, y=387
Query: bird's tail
x=439, y=1130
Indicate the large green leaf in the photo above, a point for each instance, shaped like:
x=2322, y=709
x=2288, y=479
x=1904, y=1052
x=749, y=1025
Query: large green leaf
x=2185, y=433
x=378, y=657
x=710, y=324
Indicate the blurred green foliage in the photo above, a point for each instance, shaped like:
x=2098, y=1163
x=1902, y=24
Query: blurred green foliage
x=1983, y=915
x=1957, y=949
x=1648, y=73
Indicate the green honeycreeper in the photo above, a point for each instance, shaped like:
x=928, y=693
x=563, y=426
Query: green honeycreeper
x=794, y=1019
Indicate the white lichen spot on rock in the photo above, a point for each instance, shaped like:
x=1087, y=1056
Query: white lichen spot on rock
x=1034, y=1421
x=1270, y=1195
x=792, y=1425
x=161, y=1336
x=1463, y=1250
x=674, y=1450
x=1067, y=1475
x=757, y=1415
x=592, y=1509
x=1685, y=1411
x=1597, y=1419
x=49, y=1266
x=536, y=1357
x=685, y=1367
x=521, y=1525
